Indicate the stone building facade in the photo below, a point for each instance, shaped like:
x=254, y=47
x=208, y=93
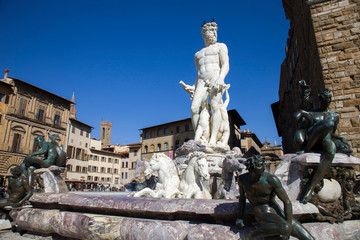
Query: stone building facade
x=322, y=49
x=29, y=112
x=167, y=137
x=78, y=149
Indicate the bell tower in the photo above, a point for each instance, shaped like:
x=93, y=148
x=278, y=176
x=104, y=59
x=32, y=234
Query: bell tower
x=105, y=134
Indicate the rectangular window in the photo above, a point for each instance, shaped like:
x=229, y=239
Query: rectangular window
x=146, y=135
x=116, y=160
x=187, y=127
x=122, y=175
x=57, y=120
x=177, y=129
x=87, y=134
x=102, y=179
x=73, y=129
x=96, y=178
x=102, y=170
x=89, y=178
x=84, y=170
x=117, y=180
x=81, y=132
x=103, y=159
x=166, y=131
x=135, y=152
x=2, y=97
x=126, y=175
x=166, y=146
x=116, y=171
x=78, y=169
x=109, y=170
x=122, y=164
x=89, y=168
x=35, y=146
x=109, y=160
x=95, y=158
x=78, y=153
x=127, y=164
x=22, y=106
x=133, y=165
x=16, y=143
x=159, y=132
x=69, y=168
x=40, y=115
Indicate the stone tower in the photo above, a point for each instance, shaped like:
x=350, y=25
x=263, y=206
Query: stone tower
x=72, y=107
x=105, y=133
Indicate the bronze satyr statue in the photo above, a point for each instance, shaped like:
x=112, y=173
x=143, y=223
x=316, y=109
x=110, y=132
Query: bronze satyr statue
x=18, y=189
x=261, y=188
x=316, y=133
x=53, y=155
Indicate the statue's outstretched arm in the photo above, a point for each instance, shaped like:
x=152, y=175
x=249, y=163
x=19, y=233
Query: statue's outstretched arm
x=43, y=150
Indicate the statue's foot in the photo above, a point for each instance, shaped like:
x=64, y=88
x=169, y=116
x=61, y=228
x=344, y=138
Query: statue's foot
x=307, y=197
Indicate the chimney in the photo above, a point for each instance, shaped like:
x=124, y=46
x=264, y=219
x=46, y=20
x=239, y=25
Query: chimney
x=6, y=73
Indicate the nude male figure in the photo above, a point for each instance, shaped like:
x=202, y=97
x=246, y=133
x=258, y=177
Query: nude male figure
x=18, y=189
x=212, y=65
x=261, y=188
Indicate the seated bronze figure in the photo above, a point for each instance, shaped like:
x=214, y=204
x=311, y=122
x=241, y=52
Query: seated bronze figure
x=261, y=188
x=316, y=133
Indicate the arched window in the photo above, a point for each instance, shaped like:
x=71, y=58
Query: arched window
x=152, y=148
x=145, y=149
x=166, y=146
x=159, y=147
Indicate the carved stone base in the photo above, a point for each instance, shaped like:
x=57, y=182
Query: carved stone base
x=334, y=196
x=52, y=181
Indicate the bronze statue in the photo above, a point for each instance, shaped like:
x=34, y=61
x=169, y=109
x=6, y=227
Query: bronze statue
x=316, y=133
x=53, y=155
x=18, y=189
x=261, y=188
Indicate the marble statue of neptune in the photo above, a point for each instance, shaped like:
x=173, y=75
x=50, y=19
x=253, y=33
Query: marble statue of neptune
x=212, y=65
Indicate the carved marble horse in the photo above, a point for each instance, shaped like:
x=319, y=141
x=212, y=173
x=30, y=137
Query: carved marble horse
x=168, y=185
x=197, y=170
x=227, y=189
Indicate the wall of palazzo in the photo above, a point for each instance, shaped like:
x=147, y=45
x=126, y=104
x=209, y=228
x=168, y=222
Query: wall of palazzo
x=323, y=49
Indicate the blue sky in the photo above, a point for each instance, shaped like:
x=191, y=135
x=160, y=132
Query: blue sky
x=124, y=59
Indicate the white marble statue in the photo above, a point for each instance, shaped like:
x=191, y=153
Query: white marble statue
x=212, y=65
x=168, y=185
x=191, y=185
